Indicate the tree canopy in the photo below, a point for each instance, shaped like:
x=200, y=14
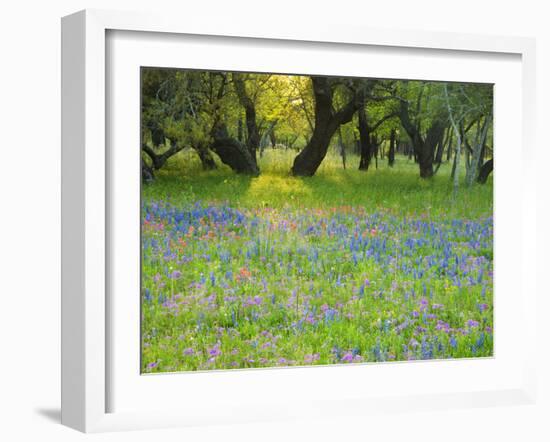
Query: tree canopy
x=232, y=117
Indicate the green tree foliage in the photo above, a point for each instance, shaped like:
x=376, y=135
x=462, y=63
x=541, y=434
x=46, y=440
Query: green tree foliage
x=233, y=117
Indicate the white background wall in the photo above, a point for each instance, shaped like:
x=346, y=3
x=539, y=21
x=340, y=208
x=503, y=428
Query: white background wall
x=30, y=214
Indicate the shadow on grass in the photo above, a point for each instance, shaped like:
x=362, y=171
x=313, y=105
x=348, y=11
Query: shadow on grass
x=398, y=189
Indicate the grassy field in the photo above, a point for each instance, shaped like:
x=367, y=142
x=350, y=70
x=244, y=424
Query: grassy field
x=343, y=267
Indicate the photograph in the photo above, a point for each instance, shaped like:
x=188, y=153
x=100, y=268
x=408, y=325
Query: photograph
x=292, y=220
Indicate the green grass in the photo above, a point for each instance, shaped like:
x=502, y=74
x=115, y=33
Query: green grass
x=398, y=189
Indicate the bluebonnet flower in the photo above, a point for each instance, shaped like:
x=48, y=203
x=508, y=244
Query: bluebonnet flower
x=452, y=342
x=148, y=296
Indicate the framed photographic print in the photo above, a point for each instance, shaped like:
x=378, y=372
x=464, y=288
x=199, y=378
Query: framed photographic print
x=275, y=223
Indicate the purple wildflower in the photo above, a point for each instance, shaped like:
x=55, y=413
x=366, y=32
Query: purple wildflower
x=482, y=307
x=402, y=326
x=310, y=319
x=423, y=304
x=176, y=274
x=348, y=357
x=215, y=351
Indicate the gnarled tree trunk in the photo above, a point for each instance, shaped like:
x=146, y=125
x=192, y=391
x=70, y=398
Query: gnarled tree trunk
x=423, y=146
x=368, y=141
x=366, y=147
x=207, y=160
x=253, y=135
x=439, y=151
x=147, y=174
x=327, y=122
x=426, y=150
x=159, y=159
x=473, y=171
x=391, y=151
x=232, y=152
x=485, y=171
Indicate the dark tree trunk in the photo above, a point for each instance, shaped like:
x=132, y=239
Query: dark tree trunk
x=482, y=155
x=157, y=137
x=147, y=174
x=327, y=122
x=485, y=171
x=427, y=149
x=426, y=165
x=342, y=147
x=309, y=159
x=159, y=159
x=391, y=151
x=365, y=144
x=424, y=147
x=253, y=135
x=272, y=139
x=439, y=151
x=369, y=143
x=240, y=135
x=232, y=152
x=207, y=160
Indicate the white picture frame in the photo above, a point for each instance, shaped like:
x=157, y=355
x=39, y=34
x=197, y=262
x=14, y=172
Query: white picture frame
x=86, y=354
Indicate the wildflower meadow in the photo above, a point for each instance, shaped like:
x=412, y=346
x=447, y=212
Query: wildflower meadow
x=343, y=267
